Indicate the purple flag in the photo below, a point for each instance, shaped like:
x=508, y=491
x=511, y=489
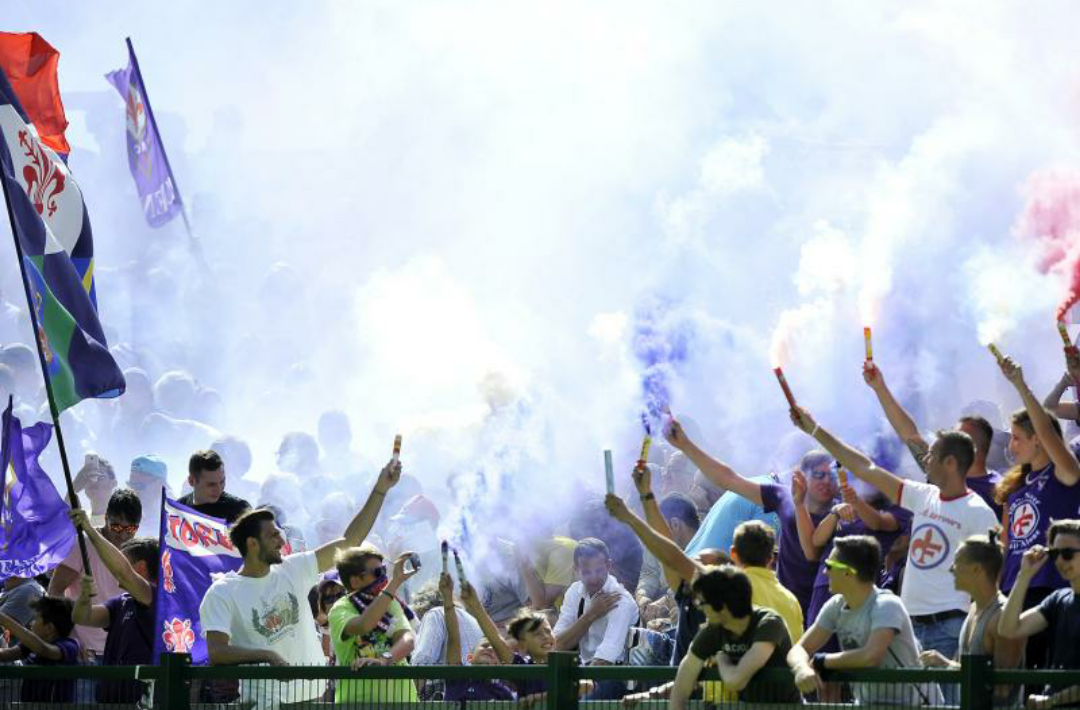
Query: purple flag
x=35, y=532
x=146, y=156
x=195, y=548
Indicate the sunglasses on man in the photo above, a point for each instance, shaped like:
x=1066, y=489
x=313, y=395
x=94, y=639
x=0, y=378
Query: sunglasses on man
x=119, y=529
x=822, y=473
x=839, y=566
x=1065, y=553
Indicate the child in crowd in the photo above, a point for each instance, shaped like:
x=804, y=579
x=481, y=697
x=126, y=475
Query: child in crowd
x=47, y=642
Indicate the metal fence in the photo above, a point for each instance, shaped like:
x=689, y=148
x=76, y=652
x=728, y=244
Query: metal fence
x=565, y=685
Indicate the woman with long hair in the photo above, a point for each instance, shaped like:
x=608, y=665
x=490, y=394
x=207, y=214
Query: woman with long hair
x=1041, y=487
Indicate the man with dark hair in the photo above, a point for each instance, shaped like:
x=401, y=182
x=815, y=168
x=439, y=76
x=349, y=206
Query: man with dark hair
x=47, y=642
x=128, y=617
x=597, y=613
x=871, y=624
x=123, y=514
x=945, y=513
x=742, y=638
x=206, y=476
x=256, y=615
x=1059, y=612
x=752, y=550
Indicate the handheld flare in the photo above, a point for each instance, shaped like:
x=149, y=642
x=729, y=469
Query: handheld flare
x=646, y=443
x=784, y=385
x=609, y=472
x=869, y=344
x=460, y=568
x=996, y=353
x=842, y=475
x=1064, y=331
x=445, y=557
x=397, y=448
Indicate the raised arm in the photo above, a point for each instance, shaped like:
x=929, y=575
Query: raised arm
x=1066, y=410
x=717, y=472
x=1014, y=622
x=643, y=482
x=472, y=604
x=901, y=421
x=849, y=458
x=669, y=554
x=31, y=640
x=453, y=632
x=804, y=524
x=115, y=561
x=873, y=518
x=1066, y=467
x=361, y=525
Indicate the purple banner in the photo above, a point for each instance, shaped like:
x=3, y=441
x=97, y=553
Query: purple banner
x=35, y=532
x=146, y=156
x=195, y=548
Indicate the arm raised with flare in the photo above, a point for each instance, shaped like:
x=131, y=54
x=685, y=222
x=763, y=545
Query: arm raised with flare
x=1066, y=468
x=719, y=473
x=851, y=459
x=898, y=417
x=361, y=525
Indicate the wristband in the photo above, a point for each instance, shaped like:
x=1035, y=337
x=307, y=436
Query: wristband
x=818, y=663
x=387, y=594
x=815, y=431
x=648, y=496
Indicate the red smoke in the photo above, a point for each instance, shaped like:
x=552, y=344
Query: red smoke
x=1051, y=219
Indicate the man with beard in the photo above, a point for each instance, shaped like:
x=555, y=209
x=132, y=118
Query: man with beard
x=258, y=615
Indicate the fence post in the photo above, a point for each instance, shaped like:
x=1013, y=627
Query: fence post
x=174, y=693
x=562, y=683
x=976, y=690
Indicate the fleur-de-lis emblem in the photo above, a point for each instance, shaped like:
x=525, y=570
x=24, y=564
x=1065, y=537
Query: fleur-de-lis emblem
x=44, y=181
x=178, y=636
x=166, y=572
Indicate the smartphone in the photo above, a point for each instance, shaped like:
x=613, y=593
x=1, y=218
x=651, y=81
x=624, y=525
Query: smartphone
x=412, y=564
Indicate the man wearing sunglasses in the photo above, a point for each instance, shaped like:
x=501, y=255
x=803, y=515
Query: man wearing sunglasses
x=1059, y=612
x=871, y=624
x=123, y=513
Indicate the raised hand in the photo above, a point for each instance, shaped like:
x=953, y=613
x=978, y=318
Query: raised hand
x=848, y=494
x=1013, y=372
x=88, y=589
x=80, y=519
x=388, y=477
x=675, y=435
x=872, y=376
x=802, y=419
x=399, y=576
x=616, y=506
x=845, y=512
x=798, y=487
x=1033, y=560
x=642, y=478
x=468, y=595
x=446, y=588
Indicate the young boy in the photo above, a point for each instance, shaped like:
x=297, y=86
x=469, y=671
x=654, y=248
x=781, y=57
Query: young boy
x=483, y=654
x=742, y=638
x=47, y=642
x=1059, y=612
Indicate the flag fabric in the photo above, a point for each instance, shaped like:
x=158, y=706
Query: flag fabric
x=52, y=228
x=195, y=548
x=146, y=155
x=30, y=64
x=35, y=532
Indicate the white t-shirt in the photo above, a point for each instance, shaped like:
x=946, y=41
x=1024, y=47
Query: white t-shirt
x=937, y=528
x=270, y=613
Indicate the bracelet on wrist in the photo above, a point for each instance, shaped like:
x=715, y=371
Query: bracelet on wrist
x=815, y=431
x=647, y=496
x=818, y=663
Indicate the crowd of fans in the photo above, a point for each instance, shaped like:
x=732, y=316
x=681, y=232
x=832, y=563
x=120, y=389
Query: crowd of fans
x=843, y=565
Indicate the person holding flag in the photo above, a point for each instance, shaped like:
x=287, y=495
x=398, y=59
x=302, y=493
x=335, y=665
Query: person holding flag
x=258, y=614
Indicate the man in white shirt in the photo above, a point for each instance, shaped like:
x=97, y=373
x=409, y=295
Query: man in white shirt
x=597, y=614
x=945, y=512
x=259, y=614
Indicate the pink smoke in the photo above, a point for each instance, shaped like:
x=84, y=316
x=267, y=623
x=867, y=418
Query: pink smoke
x=1051, y=221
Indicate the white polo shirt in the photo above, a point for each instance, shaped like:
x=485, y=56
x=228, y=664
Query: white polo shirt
x=606, y=638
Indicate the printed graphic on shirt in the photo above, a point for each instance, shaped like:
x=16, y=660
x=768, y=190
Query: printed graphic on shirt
x=277, y=618
x=929, y=546
x=1023, y=518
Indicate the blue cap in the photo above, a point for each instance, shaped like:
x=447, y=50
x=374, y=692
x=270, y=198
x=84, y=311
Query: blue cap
x=151, y=465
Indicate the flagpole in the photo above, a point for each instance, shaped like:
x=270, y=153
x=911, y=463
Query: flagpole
x=72, y=497
x=193, y=240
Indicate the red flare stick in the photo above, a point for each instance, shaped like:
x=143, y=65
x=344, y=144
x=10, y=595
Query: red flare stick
x=1064, y=331
x=784, y=386
x=869, y=345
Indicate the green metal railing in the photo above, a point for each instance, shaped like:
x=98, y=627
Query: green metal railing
x=176, y=684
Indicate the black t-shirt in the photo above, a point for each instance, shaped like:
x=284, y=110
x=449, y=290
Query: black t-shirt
x=227, y=507
x=765, y=625
x=129, y=643
x=1062, y=613
x=690, y=620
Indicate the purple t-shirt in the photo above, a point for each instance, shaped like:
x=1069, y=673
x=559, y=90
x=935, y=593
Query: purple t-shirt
x=129, y=643
x=528, y=687
x=858, y=527
x=983, y=486
x=466, y=690
x=1040, y=500
x=51, y=691
x=792, y=568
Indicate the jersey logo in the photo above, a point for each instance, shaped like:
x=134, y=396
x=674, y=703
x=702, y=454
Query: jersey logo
x=1024, y=520
x=929, y=546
